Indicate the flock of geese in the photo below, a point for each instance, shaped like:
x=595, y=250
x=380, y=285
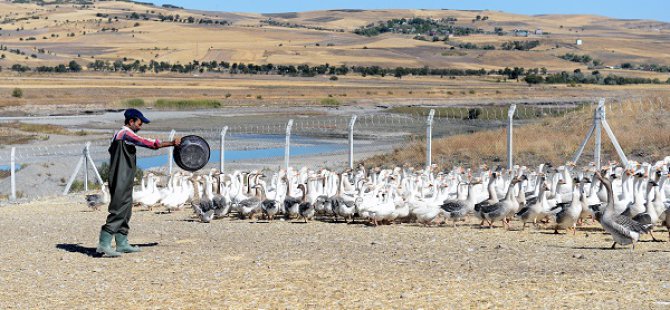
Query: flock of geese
x=627, y=201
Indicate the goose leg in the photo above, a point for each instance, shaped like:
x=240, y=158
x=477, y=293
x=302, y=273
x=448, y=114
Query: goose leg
x=555, y=231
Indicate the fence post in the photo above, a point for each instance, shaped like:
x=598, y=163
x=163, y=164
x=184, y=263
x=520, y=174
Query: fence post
x=288, y=144
x=84, y=153
x=598, y=132
x=510, y=126
x=612, y=137
x=429, y=138
x=223, y=148
x=73, y=176
x=170, y=150
x=351, y=141
x=12, y=156
x=95, y=169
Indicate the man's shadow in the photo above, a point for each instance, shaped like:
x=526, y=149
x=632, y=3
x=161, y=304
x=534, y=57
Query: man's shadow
x=90, y=251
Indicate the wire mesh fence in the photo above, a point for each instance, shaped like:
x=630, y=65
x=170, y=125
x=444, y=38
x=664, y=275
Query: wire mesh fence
x=462, y=135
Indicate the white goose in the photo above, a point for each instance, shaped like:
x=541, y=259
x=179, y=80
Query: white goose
x=152, y=196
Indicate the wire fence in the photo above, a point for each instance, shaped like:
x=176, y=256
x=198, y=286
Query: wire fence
x=325, y=141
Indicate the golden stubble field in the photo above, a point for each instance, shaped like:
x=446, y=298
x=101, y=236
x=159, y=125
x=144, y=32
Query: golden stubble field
x=320, y=37
x=233, y=263
x=96, y=91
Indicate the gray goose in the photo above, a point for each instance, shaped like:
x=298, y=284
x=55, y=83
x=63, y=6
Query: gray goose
x=306, y=208
x=533, y=211
x=649, y=216
x=455, y=209
x=95, y=201
x=500, y=210
x=569, y=212
x=291, y=204
x=623, y=229
x=492, y=200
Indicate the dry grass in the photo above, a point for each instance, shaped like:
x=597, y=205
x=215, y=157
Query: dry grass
x=187, y=104
x=22, y=133
x=6, y=129
x=484, y=112
x=640, y=129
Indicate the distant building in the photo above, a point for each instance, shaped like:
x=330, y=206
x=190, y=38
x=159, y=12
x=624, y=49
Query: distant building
x=538, y=32
x=520, y=33
x=579, y=42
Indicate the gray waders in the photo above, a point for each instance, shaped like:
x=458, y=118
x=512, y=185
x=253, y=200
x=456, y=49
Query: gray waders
x=121, y=178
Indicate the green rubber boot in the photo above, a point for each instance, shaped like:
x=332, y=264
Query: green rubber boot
x=105, y=245
x=123, y=246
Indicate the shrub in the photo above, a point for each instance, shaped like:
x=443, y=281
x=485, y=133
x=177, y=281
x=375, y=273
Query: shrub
x=333, y=78
x=330, y=102
x=17, y=92
x=78, y=186
x=187, y=104
x=534, y=79
x=474, y=113
x=134, y=103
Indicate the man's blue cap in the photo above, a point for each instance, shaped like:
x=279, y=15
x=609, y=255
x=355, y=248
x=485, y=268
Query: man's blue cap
x=135, y=113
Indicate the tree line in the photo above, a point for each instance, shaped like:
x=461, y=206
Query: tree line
x=531, y=75
x=577, y=77
x=417, y=25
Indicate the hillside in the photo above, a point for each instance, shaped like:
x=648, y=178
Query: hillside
x=50, y=34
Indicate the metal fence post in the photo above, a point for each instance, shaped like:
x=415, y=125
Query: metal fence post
x=170, y=150
x=12, y=156
x=510, y=125
x=84, y=153
x=429, y=138
x=95, y=169
x=598, y=132
x=351, y=141
x=73, y=176
x=223, y=148
x=288, y=144
x=612, y=137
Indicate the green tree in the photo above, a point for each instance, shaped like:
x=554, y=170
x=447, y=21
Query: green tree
x=534, y=79
x=74, y=66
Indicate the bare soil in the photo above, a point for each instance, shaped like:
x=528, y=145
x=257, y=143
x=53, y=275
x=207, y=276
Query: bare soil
x=48, y=246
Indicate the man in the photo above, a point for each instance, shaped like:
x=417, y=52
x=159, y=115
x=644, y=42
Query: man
x=121, y=178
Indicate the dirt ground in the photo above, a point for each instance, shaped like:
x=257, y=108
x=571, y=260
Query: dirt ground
x=47, y=262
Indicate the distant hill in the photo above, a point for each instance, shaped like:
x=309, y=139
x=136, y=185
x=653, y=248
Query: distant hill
x=48, y=33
